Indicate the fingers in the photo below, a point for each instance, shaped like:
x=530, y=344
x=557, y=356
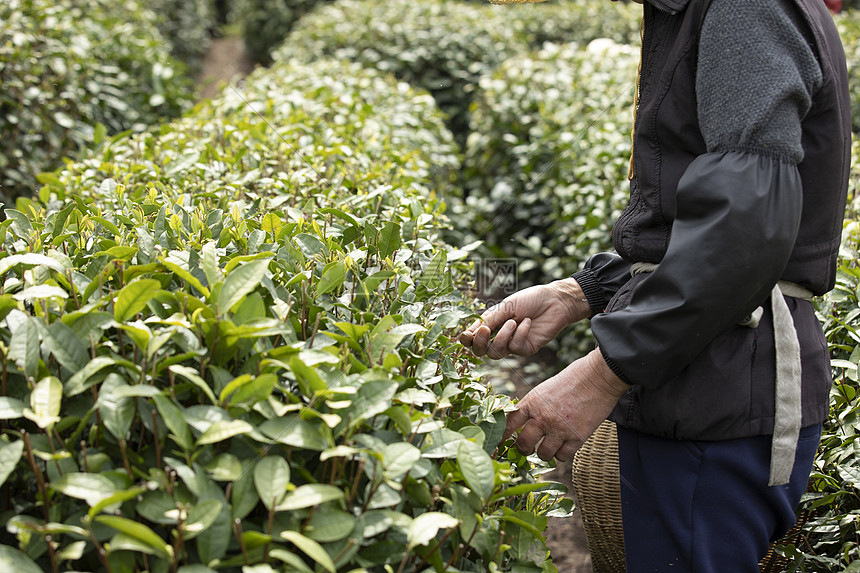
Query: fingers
x=498, y=348
x=533, y=438
x=515, y=420
x=519, y=342
x=494, y=317
x=567, y=450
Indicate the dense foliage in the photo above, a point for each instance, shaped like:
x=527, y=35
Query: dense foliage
x=831, y=539
x=446, y=46
x=848, y=24
x=226, y=344
x=187, y=26
x=67, y=66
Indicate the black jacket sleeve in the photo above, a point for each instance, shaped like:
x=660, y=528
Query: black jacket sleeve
x=736, y=221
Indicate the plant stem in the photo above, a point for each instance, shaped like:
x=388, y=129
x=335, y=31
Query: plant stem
x=40, y=479
x=52, y=554
x=237, y=530
x=100, y=552
x=122, y=449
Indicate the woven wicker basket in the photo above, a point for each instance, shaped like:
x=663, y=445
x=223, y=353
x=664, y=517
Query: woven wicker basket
x=596, y=483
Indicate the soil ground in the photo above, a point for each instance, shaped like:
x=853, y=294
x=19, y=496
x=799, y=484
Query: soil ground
x=228, y=61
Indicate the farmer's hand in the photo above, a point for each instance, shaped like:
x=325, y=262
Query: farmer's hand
x=559, y=414
x=527, y=320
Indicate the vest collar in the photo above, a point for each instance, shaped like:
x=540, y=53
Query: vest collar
x=670, y=6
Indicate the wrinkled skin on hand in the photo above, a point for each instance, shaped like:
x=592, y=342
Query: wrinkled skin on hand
x=556, y=417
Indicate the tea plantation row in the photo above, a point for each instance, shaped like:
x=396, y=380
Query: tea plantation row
x=227, y=340
x=226, y=344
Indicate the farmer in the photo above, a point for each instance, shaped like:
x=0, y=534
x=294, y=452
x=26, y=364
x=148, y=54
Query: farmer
x=710, y=358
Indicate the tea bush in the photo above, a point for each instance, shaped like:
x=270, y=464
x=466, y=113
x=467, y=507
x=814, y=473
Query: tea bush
x=848, y=24
x=227, y=345
x=265, y=23
x=446, y=46
x=68, y=65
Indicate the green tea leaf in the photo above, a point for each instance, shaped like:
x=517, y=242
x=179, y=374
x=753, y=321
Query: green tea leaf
x=389, y=240
x=433, y=275
x=311, y=548
x=332, y=277
x=38, y=292
x=133, y=298
x=309, y=495
x=241, y=281
x=250, y=391
x=31, y=260
x=210, y=264
x=175, y=421
x=186, y=276
x=11, y=408
x=12, y=559
x=79, y=381
x=309, y=380
x=45, y=402
x=137, y=531
x=310, y=245
x=399, y=458
x=477, y=468
x=372, y=398
x=117, y=411
x=224, y=467
x=292, y=430
x=115, y=499
x=329, y=525
x=91, y=488
x=201, y=516
x=244, y=496
x=425, y=527
x=224, y=430
x=24, y=346
x=271, y=478
x=293, y=561
x=193, y=376
x=10, y=455
x=66, y=347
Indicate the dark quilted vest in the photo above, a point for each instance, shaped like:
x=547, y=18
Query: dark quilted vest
x=668, y=139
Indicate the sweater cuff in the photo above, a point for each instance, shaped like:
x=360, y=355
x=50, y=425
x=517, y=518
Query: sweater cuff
x=591, y=289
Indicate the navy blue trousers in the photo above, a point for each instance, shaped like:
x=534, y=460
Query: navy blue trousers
x=705, y=507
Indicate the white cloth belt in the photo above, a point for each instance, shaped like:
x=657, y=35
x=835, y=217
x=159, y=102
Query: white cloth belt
x=787, y=414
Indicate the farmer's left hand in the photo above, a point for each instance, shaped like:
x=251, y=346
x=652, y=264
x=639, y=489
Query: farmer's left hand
x=559, y=414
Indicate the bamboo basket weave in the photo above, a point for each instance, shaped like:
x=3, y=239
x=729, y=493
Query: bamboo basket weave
x=598, y=495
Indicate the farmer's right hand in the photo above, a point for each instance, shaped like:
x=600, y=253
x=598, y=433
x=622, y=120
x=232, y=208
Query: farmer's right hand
x=527, y=320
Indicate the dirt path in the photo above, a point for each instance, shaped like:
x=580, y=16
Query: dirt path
x=227, y=61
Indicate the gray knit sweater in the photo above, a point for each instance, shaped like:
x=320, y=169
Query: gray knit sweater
x=739, y=115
